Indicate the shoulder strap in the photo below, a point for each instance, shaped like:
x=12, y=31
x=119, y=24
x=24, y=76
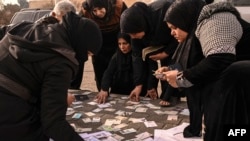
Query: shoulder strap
x=14, y=88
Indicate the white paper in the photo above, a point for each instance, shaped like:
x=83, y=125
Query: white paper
x=173, y=134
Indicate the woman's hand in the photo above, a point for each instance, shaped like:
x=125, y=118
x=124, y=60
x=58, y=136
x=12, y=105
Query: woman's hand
x=170, y=77
x=152, y=94
x=135, y=93
x=161, y=70
x=101, y=97
x=70, y=99
x=159, y=73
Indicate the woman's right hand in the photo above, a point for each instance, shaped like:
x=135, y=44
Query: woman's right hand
x=101, y=97
x=135, y=93
x=161, y=70
x=159, y=73
x=70, y=99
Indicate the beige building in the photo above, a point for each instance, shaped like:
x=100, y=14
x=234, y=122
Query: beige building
x=40, y=3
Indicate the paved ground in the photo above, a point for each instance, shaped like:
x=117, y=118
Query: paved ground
x=88, y=82
x=133, y=115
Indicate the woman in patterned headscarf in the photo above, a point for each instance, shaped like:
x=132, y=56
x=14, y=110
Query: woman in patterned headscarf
x=217, y=83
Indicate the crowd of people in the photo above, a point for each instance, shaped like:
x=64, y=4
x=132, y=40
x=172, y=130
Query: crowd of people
x=202, y=47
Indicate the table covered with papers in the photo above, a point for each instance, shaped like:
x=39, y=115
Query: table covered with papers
x=121, y=119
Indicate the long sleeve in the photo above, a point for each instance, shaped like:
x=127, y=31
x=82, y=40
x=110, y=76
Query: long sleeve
x=54, y=104
x=218, y=49
x=209, y=68
x=138, y=64
x=108, y=74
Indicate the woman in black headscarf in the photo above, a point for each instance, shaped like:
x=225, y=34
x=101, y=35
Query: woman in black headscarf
x=45, y=58
x=106, y=13
x=118, y=77
x=151, y=42
x=213, y=80
x=187, y=55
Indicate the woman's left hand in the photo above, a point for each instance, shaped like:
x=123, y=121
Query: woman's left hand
x=152, y=94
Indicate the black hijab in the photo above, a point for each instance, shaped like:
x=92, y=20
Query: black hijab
x=125, y=36
x=184, y=15
x=90, y=4
x=124, y=61
x=84, y=35
x=109, y=5
x=134, y=19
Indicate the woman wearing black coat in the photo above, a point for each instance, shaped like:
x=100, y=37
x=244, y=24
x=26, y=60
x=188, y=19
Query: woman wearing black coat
x=118, y=77
x=38, y=62
x=106, y=13
x=144, y=23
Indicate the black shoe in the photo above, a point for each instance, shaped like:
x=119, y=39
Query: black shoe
x=188, y=134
